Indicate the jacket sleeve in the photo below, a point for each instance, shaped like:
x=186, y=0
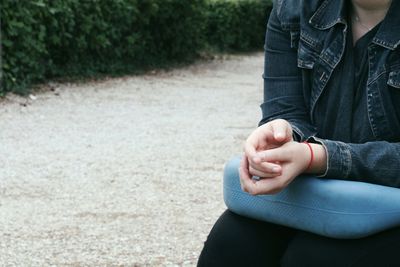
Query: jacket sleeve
x=376, y=162
x=283, y=93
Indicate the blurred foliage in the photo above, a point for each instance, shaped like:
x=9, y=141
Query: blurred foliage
x=237, y=25
x=44, y=39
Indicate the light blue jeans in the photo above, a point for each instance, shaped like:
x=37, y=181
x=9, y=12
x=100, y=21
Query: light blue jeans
x=328, y=207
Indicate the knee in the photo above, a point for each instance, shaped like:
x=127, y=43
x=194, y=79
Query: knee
x=231, y=170
x=231, y=182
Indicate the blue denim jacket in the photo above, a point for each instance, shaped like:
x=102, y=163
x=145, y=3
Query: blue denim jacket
x=305, y=42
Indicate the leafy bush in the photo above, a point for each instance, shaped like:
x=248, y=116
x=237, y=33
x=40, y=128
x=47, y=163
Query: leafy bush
x=237, y=25
x=44, y=39
x=23, y=44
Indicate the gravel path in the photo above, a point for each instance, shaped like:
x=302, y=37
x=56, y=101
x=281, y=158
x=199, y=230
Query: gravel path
x=123, y=172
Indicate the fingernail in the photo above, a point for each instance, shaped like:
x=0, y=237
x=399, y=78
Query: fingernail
x=275, y=169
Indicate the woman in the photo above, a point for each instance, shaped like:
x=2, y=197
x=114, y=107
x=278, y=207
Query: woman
x=332, y=79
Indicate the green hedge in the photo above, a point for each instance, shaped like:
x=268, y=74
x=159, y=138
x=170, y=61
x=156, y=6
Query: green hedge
x=44, y=39
x=237, y=25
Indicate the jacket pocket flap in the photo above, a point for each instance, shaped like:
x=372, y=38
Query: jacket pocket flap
x=307, y=53
x=394, y=79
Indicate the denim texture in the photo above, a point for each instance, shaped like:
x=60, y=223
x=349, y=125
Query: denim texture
x=327, y=207
x=305, y=44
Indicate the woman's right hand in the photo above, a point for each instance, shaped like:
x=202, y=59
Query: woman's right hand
x=268, y=136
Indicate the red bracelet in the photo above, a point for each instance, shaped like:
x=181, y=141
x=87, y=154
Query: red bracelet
x=312, y=156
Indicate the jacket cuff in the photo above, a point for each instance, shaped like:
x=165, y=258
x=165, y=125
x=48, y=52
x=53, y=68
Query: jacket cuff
x=301, y=130
x=338, y=157
x=297, y=133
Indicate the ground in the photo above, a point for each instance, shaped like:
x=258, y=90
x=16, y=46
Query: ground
x=123, y=172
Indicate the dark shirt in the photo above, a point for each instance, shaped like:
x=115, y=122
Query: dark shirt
x=360, y=70
x=346, y=104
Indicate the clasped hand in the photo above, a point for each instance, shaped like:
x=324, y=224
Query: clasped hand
x=272, y=156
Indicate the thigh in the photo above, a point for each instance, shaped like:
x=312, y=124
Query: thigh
x=307, y=249
x=239, y=241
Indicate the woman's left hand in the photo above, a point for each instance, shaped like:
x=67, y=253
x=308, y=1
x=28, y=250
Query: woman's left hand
x=294, y=159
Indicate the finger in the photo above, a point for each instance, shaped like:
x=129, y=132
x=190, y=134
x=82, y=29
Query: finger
x=266, y=167
x=250, y=148
x=282, y=130
x=259, y=140
x=269, y=186
x=272, y=186
x=245, y=177
x=255, y=172
x=247, y=183
x=280, y=154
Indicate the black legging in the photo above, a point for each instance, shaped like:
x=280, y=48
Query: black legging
x=239, y=241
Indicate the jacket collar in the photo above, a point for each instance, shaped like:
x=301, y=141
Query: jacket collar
x=332, y=12
x=388, y=34
x=329, y=13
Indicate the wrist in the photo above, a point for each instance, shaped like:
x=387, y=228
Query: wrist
x=308, y=156
x=314, y=158
x=319, y=163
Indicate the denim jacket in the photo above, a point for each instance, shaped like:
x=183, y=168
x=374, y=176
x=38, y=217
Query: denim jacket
x=305, y=42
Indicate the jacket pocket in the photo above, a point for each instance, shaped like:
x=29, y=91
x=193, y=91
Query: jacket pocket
x=394, y=79
x=307, y=53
